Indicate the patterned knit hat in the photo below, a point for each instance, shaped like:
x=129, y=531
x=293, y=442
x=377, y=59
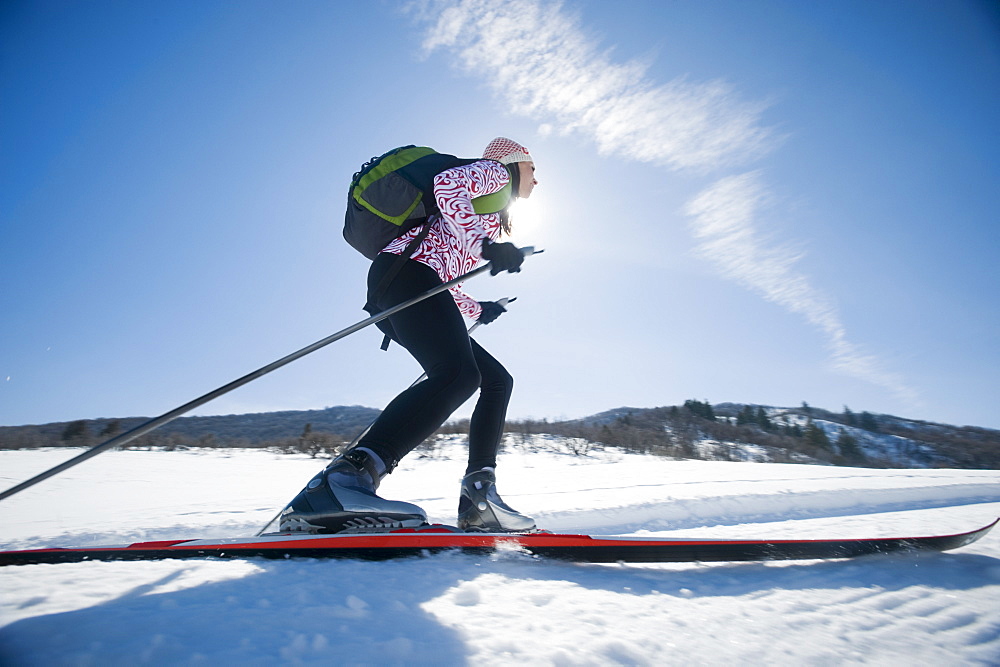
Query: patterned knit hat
x=505, y=151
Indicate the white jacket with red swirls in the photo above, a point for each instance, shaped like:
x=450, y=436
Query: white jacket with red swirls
x=454, y=243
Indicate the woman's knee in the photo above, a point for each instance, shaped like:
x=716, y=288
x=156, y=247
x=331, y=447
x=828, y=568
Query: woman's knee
x=459, y=379
x=499, y=383
x=496, y=381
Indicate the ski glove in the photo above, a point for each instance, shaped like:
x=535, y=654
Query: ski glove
x=502, y=257
x=491, y=311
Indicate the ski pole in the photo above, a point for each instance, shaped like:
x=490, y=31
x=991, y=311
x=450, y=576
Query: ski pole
x=167, y=417
x=353, y=443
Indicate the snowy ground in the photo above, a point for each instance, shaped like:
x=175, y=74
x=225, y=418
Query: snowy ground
x=451, y=609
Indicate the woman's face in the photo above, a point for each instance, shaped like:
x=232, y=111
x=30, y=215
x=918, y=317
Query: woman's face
x=528, y=181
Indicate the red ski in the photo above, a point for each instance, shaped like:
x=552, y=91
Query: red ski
x=437, y=538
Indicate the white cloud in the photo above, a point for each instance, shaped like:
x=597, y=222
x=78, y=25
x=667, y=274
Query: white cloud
x=538, y=60
x=723, y=220
x=540, y=63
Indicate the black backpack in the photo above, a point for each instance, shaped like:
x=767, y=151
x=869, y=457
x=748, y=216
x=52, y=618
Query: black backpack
x=394, y=193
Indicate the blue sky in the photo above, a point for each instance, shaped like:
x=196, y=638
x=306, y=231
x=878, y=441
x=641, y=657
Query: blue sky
x=768, y=202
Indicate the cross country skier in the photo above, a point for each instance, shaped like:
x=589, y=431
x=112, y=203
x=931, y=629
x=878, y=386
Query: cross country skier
x=343, y=497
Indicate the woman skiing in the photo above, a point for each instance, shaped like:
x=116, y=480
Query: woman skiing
x=342, y=497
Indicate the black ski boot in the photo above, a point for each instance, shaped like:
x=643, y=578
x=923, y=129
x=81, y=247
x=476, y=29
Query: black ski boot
x=342, y=499
x=481, y=509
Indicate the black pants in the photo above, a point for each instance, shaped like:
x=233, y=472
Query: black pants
x=434, y=332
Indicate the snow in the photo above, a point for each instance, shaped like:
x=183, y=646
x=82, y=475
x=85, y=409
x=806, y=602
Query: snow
x=454, y=609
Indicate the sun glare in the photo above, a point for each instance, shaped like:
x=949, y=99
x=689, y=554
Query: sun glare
x=526, y=218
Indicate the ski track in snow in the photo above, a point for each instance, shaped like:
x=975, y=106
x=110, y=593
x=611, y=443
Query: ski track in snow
x=509, y=608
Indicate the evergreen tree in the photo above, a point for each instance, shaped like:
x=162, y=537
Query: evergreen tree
x=745, y=416
x=703, y=410
x=848, y=446
x=762, y=420
x=868, y=422
x=816, y=436
x=849, y=417
x=785, y=427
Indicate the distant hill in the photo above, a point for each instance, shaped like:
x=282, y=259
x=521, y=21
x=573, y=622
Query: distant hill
x=740, y=431
x=258, y=429
x=723, y=431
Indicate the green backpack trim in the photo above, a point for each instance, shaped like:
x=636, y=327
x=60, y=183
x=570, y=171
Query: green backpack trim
x=493, y=203
x=386, y=166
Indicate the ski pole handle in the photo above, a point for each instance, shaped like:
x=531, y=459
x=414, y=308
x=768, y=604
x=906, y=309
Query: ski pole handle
x=526, y=251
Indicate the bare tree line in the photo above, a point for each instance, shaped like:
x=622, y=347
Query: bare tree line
x=695, y=430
